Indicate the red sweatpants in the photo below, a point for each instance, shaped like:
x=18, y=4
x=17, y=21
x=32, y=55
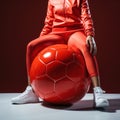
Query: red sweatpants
x=74, y=39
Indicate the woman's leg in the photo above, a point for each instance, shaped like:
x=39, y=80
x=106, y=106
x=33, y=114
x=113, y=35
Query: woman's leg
x=78, y=41
x=35, y=46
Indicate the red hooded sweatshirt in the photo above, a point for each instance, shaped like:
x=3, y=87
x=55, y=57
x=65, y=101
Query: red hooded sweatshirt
x=68, y=13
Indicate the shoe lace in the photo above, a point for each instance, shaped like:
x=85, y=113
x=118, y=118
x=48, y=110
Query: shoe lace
x=99, y=90
x=99, y=93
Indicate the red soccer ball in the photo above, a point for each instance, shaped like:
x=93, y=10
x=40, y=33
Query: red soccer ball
x=58, y=75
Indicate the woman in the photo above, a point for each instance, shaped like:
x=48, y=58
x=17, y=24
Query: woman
x=68, y=22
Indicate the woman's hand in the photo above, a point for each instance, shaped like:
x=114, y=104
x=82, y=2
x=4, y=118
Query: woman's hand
x=91, y=44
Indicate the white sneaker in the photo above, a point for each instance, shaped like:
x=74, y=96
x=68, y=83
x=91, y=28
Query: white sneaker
x=28, y=96
x=99, y=100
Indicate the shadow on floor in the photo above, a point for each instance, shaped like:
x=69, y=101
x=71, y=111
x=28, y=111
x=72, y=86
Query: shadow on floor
x=86, y=105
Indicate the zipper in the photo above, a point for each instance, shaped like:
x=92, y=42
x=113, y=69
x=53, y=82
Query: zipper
x=64, y=10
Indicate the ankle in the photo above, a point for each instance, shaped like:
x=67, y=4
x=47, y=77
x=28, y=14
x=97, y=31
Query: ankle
x=98, y=89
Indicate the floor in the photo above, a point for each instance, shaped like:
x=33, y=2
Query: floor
x=82, y=110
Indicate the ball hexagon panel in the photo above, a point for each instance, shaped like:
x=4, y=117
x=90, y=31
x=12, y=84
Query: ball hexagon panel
x=44, y=85
x=56, y=70
x=75, y=71
x=36, y=71
x=47, y=55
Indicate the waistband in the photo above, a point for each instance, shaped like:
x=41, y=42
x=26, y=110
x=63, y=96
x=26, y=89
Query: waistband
x=59, y=29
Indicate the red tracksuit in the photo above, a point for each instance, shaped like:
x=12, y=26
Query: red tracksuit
x=67, y=22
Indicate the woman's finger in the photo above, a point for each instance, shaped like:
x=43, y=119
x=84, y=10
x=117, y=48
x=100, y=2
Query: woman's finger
x=94, y=49
x=91, y=46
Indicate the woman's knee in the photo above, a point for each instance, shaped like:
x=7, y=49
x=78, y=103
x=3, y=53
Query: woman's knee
x=79, y=44
x=35, y=42
x=30, y=45
x=82, y=47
